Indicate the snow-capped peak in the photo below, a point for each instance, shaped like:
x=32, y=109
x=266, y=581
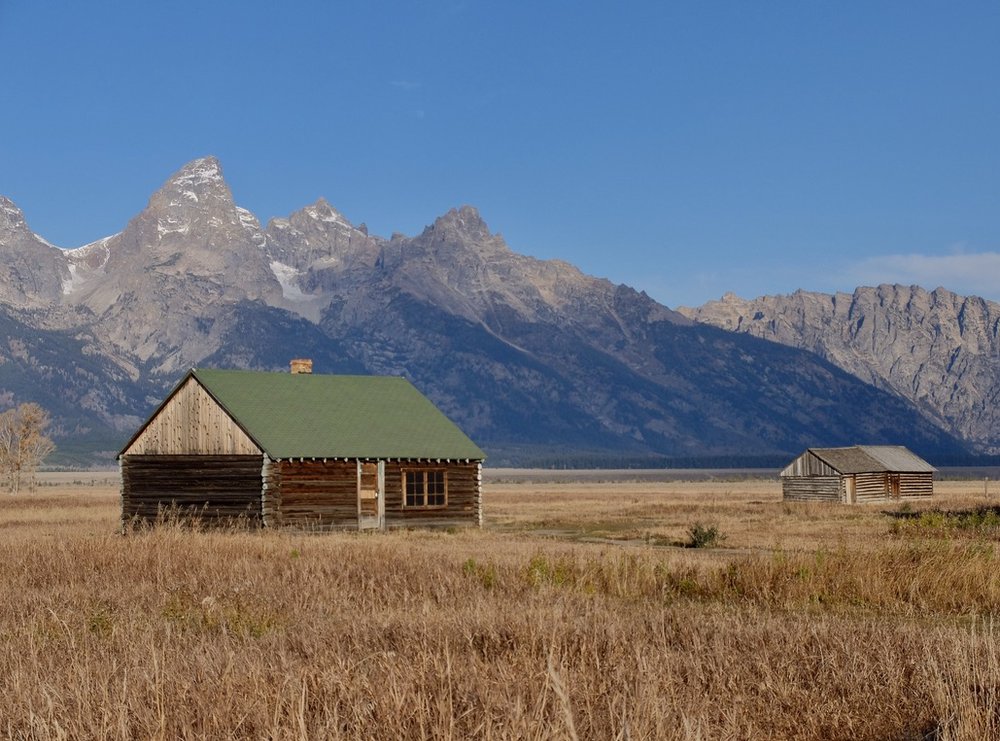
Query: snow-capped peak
x=10, y=215
x=323, y=211
x=202, y=171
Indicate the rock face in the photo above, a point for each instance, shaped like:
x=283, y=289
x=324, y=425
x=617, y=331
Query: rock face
x=935, y=349
x=540, y=363
x=157, y=285
x=32, y=271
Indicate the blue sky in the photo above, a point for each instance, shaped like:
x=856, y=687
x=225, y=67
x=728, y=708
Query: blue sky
x=684, y=148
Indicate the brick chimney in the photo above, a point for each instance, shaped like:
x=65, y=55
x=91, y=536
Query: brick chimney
x=301, y=365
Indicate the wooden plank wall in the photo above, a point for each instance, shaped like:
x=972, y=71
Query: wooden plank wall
x=191, y=423
x=871, y=487
x=916, y=484
x=464, y=508
x=811, y=488
x=215, y=489
x=808, y=464
x=315, y=494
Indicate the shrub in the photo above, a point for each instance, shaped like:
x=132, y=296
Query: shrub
x=704, y=536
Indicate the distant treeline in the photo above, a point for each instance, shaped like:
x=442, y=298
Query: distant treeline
x=605, y=460
x=570, y=460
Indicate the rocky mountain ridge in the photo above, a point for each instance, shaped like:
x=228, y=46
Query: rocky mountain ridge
x=936, y=349
x=535, y=359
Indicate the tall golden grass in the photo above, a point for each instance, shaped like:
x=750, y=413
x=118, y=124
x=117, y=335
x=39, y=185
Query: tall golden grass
x=496, y=634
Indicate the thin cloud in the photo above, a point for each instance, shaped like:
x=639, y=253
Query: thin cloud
x=406, y=84
x=964, y=273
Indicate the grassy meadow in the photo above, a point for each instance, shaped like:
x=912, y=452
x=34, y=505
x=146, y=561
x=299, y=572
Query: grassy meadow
x=579, y=611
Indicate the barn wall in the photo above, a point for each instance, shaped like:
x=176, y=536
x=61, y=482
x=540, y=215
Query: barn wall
x=192, y=423
x=270, y=492
x=314, y=494
x=872, y=487
x=811, y=488
x=916, y=484
x=215, y=489
x=464, y=507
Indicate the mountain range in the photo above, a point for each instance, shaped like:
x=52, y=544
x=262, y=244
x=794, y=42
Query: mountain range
x=536, y=361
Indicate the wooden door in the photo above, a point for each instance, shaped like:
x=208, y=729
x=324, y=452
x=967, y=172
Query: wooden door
x=894, y=485
x=850, y=490
x=371, y=502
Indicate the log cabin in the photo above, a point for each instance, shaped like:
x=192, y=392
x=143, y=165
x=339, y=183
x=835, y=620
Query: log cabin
x=298, y=450
x=858, y=474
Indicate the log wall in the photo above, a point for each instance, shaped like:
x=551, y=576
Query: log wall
x=871, y=487
x=812, y=488
x=464, y=500
x=314, y=494
x=916, y=484
x=868, y=487
x=213, y=489
x=307, y=495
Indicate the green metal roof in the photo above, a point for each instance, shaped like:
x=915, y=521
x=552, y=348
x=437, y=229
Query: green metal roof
x=320, y=416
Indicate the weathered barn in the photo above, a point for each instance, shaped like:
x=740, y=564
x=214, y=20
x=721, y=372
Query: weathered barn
x=301, y=450
x=863, y=473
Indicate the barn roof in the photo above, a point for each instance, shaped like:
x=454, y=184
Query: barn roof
x=325, y=416
x=872, y=458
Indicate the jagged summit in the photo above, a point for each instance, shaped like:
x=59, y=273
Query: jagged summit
x=321, y=210
x=199, y=172
x=939, y=350
x=198, y=186
x=11, y=217
x=464, y=223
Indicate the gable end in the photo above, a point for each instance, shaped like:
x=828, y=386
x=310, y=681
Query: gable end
x=191, y=422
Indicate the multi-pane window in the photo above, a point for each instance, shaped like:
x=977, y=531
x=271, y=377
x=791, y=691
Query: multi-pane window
x=425, y=488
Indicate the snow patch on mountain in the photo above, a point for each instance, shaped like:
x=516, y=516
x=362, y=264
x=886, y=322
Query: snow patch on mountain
x=84, y=263
x=73, y=282
x=247, y=219
x=204, y=171
x=87, y=252
x=287, y=277
x=326, y=214
x=10, y=214
x=172, y=226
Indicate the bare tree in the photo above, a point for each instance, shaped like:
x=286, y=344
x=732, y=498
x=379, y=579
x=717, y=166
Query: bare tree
x=23, y=444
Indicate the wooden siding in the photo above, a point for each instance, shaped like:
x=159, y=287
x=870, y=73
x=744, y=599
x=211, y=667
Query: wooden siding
x=871, y=487
x=192, y=423
x=464, y=507
x=916, y=484
x=811, y=488
x=868, y=487
x=214, y=489
x=808, y=464
x=314, y=494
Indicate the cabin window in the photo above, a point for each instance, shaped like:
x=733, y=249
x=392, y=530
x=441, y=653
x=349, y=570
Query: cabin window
x=425, y=488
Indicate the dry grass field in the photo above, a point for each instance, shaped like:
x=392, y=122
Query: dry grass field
x=577, y=612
